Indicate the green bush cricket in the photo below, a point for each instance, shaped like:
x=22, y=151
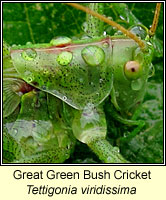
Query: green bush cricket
x=82, y=74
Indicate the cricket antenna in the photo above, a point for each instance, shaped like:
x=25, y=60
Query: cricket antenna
x=110, y=22
x=155, y=20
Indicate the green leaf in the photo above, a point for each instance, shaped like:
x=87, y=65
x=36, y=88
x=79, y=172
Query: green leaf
x=39, y=22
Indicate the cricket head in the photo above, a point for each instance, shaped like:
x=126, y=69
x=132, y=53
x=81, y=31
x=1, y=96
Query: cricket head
x=130, y=61
x=131, y=69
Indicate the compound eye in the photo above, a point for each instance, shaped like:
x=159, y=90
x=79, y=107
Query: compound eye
x=133, y=70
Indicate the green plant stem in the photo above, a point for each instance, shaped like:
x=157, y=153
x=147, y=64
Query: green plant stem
x=94, y=25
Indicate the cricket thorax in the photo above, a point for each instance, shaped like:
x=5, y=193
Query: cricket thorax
x=78, y=73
